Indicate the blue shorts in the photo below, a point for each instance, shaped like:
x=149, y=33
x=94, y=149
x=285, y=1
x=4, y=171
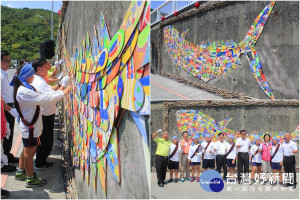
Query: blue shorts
x=194, y=163
x=208, y=163
x=276, y=166
x=256, y=164
x=26, y=141
x=229, y=163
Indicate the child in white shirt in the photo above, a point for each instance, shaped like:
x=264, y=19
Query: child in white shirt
x=255, y=157
x=194, y=158
x=230, y=158
x=276, y=160
x=173, y=164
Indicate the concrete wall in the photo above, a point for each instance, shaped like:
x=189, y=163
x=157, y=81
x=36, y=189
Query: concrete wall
x=82, y=17
x=277, y=47
x=250, y=118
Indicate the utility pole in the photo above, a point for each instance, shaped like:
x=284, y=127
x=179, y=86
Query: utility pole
x=52, y=21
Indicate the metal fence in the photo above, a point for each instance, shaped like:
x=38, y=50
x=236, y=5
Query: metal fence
x=168, y=8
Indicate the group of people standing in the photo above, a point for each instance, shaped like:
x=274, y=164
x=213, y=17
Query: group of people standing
x=266, y=158
x=31, y=97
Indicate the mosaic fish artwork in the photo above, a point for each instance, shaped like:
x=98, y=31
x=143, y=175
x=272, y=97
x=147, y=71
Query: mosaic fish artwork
x=199, y=124
x=105, y=80
x=207, y=61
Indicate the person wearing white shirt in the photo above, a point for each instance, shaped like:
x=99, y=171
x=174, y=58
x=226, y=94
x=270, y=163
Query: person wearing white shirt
x=289, y=149
x=173, y=164
x=41, y=67
x=208, y=153
x=7, y=97
x=27, y=102
x=231, y=155
x=243, y=145
x=276, y=160
x=194, y=158
x=220, y=151
x=255, y=157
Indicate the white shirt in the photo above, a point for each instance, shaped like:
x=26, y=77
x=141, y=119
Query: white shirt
x=257, y=157
x=232, y=154
x=6, y=89
x=279, y=156
x=287, y=148
x=197, y=156
x=175, y=158
x=28, y=100
x=245, y=144
x=220, y=147
x=208, y=155
x=42, y=86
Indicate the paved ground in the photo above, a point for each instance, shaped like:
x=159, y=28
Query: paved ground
x=54, y=189
x=163, y=88
x=188, y=190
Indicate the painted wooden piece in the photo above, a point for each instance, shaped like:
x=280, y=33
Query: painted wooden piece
x=115, y=46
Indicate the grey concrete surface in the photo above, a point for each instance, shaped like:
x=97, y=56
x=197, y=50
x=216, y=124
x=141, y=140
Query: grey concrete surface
x=163, y=88
x=188, y=190
x=277, y=47
x=82, y=16
x=250, y=118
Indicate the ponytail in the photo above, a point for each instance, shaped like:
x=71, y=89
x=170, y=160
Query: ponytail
x=17, y=84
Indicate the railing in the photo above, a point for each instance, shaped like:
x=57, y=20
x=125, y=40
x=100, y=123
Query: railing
x=168, y=8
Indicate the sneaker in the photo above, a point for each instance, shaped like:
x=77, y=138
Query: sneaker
x=251, y=182
x=198, y=179
x=4, y=193
x=8, y=168
x=21, y=176
x=48, y=165
x=176, y=180
x=192, y=179
x=35, y=182
x=187, y=179
x=171, y=180
x=182, y=179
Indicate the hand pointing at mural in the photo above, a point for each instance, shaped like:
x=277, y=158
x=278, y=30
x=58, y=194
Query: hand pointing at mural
x=67, y=90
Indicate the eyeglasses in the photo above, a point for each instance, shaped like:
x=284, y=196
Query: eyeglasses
x=7, y=61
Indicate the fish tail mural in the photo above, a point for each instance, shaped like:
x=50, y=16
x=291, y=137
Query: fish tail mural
x=207, y=61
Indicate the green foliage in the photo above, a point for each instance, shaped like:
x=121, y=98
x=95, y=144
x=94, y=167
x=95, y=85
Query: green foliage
x=22, y=31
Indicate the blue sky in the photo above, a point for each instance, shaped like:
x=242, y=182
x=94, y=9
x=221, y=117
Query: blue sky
x=33, y=4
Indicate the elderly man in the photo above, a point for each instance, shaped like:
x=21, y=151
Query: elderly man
x=185, y=144
x=161, y=155
x=243, y=145
x=289, y=149
x=41, y=67
x=11, y=113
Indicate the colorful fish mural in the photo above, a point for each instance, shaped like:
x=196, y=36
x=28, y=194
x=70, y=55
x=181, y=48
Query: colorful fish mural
x=199, y=124
x=105, y=80
x=207, y=61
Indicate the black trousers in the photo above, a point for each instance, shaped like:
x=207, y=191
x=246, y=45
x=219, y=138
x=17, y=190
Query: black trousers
x=161, y=164
x=243, y=164
x=221, y=162
x=44, y=150
x=7, y=143
x=289, y=164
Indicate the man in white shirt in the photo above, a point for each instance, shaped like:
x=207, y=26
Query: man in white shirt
x=41, y=67
x=289, y=149
x=220, y=151
x=243, y=145
x=7, y=97
x=208, y=153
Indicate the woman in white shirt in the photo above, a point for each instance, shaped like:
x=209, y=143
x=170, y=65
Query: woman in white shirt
x=276, y=160
x=173, y=164
x=27, y=101
x=255, y=157
x=194, y=158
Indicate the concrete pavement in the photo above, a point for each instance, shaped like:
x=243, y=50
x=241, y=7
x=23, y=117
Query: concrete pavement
x=188, y=190
x=163, y=88
x=54, y=189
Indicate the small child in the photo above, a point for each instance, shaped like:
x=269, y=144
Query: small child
x=194, y=157
x=230, y=158
x=173, y=164
x=255, y=156
x=276, y=160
